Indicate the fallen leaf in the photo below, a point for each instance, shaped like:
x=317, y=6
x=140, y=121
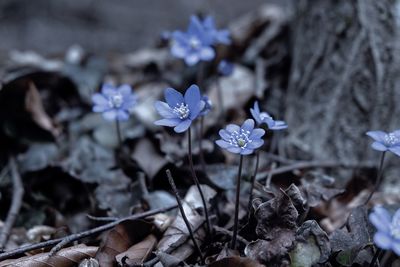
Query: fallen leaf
x=138, y=253
x=120, y=238
x=175, y=241
x=235, y=261
x=67, y=257
x=148, y=158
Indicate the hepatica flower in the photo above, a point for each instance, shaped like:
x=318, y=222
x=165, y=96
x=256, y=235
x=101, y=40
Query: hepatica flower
x=388, y=229
x=225, y=68
x=179, y=111
x=241, y=140
x=264, y=117
x=386, y=141
x=216, y=36
x=114, y=102
x=193, y=45
x=207, y=106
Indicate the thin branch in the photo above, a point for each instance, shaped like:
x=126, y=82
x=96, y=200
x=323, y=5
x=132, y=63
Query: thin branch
x=18, y=193
x=313, y=164
x=84, y=234
x=230, y=233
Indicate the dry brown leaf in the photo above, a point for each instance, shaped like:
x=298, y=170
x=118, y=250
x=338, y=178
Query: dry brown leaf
x=138, y=253
x=119, y=239
x=235, y=261
x=66, y=257
x=34, y=105
x=177, y=232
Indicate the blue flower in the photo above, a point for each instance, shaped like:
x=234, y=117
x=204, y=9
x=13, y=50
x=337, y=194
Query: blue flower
x=193, y=45
x=114, y=102
x=264, y=117
x=388, y=229
x=225, y=68
x=207, y=105
x=241, y=140
x=179, y=111
x=216, y=36
x=386, y=141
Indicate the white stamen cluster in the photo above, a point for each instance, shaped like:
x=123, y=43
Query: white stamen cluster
x=391, y=139
x=240, y=139
x=182, y=110
x=116, y=101
x=194, y=42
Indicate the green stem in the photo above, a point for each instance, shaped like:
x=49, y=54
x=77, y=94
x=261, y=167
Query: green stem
x=235, y=225
x=202, y=161
x=196, y=181
x=378, y=178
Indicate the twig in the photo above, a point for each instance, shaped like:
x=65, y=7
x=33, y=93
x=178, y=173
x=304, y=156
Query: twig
x=374, y=260
x=230, y=233
x=185, y=219
x=18, y=193
x=313, y=164
x=101, y=219
x=84, y=234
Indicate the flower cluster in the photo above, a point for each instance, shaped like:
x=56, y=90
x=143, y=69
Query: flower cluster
x=179, y=111
x=386, y=141
x=195, y=44
x=241, y=140
x=265, y=118
x=114, y=103
x=388, y=229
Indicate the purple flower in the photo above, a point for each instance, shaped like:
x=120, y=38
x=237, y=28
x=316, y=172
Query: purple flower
x=114, y=102
x=207, y=105
x=193, y=45
x=386, y=141
x=179, y=111
x=241, y=140
x=216, y=36
x=388, y=229
x=225, y=68
x=264, y=117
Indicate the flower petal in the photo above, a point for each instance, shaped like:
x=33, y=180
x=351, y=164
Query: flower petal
x=173, y=97
x=125, y=90
x=192, y=59
x=232, y=128
x=222, y=143
x=122, y=115
x=256, y=107
x=225, y=135
x=207, y=53
x=382, y=240
x=256, y=133
x=164, y=110
x=234, y=149
x=279, y=125
x=168, y=122
x=183, y=126
x=110, y=115
x=99, y=99
x=255, y=144
x=248, y=125
x=108, y=89
x=246, y=151
x=381, y=219
x=379, y=146
x=193, y=100
x=377, y=135
x=255, y=115
x=177, y=50
x=395, y=150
